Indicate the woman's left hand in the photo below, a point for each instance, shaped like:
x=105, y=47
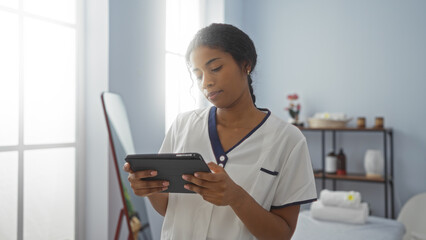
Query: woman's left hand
x=216, y=187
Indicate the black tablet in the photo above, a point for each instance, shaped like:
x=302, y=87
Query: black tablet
x=170, y=167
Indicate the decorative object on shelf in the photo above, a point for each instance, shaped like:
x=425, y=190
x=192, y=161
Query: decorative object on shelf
x=373, y=163
x=294, y=109
x=331, y=163
x=341, y=163
x=379, y=122
x=329, y=120
x=360, y=122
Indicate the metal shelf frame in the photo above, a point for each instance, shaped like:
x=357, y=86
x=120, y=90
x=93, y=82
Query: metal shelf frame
x=387, y=181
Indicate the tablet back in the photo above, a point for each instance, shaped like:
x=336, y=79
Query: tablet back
x=170, y=167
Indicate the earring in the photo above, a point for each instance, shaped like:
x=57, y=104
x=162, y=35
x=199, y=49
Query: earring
x=248, y=71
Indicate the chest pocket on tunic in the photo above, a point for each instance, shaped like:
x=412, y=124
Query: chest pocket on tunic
x=265, y=186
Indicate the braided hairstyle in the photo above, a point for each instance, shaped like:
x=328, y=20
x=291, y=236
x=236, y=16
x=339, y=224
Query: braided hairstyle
x=231, y=40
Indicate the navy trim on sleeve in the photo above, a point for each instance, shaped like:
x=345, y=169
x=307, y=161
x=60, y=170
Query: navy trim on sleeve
x=294, y=203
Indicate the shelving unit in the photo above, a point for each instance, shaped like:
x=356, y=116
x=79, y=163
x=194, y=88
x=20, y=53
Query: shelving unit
x=386, y=180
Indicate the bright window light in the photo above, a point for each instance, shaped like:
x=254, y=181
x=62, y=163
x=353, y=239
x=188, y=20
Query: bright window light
x=61, y=10
x=49, y=183
x=9, y=79
x=38, y=119
x=9, y=3
x=182, y=22
x=8, y=195
x=49, y=83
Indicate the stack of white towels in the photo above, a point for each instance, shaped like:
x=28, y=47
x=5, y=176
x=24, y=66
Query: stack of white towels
x=340, y=206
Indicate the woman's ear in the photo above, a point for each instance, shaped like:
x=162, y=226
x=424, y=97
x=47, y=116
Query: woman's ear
x=246, y=68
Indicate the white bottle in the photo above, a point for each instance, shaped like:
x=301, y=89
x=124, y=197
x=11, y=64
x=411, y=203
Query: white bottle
x=331, y=163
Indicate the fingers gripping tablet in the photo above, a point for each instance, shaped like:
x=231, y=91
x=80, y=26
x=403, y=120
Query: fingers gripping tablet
x=170, y=167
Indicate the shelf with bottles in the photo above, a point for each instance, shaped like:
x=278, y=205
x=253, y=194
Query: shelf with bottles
x=388, y=169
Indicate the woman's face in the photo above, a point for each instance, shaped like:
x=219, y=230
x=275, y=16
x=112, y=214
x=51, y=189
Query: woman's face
x=222, y=81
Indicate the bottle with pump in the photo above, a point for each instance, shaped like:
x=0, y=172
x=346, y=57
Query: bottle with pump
x=341, y=163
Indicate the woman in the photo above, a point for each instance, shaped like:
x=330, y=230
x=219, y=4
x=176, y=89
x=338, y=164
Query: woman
x=261, y=170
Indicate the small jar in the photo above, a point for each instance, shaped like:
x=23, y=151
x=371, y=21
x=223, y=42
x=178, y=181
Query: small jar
x=379, y=122
x=360, y=123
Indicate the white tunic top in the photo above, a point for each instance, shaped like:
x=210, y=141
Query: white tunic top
x=271, y=163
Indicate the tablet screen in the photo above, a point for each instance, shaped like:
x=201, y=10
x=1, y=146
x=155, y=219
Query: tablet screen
x=170, y=167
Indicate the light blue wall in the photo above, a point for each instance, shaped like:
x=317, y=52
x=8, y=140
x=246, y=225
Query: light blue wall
x=364, y=58
x=136, y=72
x=137, y=40
x=234, y=12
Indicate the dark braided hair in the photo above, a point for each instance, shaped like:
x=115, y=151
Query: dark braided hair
x=231, y=40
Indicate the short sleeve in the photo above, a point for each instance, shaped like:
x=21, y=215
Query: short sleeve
x=169, y=140
x=296, y=183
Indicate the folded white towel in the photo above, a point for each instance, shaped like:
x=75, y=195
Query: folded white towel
x=339, y=214
x=347, y=199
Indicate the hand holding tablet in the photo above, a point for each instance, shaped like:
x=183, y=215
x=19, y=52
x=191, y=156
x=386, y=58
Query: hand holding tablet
x=169, y=167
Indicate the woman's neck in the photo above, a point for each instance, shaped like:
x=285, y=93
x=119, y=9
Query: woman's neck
x=239, y=116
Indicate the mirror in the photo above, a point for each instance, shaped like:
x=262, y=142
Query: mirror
x=121, y=143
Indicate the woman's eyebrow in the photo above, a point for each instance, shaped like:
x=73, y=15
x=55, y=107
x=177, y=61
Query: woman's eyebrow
x=207, y=63
x=210, y=61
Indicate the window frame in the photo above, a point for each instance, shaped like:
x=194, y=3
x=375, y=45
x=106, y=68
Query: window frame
x=78, y=144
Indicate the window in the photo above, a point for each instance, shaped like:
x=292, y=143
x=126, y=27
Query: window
x=183, y=20
x=38, y=118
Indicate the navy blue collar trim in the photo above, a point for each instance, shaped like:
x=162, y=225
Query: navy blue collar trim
x=220, y=154
x=218, y=151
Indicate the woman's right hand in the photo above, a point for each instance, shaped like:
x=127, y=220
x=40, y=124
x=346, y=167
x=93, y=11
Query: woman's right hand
x=143, y=187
